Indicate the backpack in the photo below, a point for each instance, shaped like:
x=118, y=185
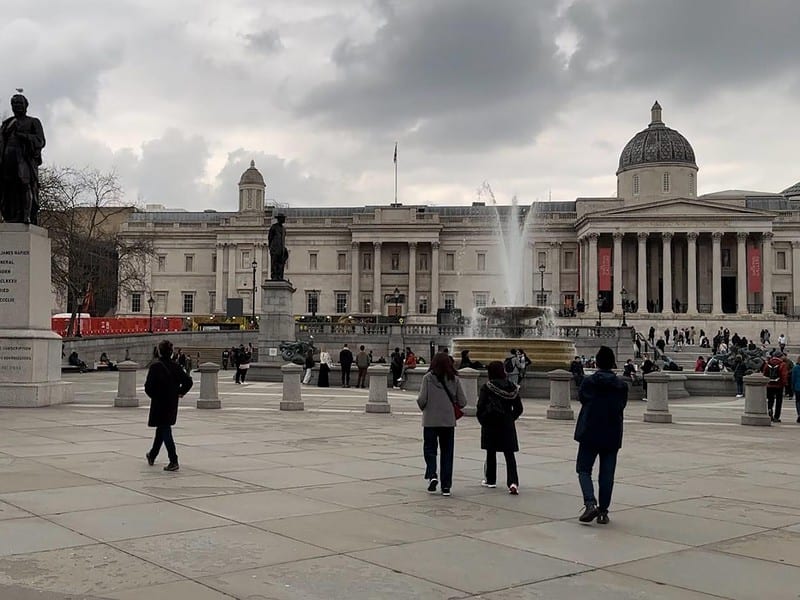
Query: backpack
x=508, y=365
x=774, y=372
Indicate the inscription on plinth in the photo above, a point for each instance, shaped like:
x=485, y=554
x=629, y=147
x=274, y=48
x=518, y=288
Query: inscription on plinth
x=16, y=359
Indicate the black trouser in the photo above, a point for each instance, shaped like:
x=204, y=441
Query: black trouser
x=605, y=478
x=346, y=375
x=362, y=377
x=442, y=438
x=164, y=434
x=397, y=373
x=490, y=469
x=775, y=397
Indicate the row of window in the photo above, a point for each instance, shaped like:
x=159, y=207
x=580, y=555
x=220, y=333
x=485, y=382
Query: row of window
x=366, y=261
x=666, y=184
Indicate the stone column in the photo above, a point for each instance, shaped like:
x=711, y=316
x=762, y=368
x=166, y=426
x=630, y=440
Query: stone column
x=641, y=272
x=591, y=291
x=766, y=263
x=657, y=410
x=555, y=277
x=617, y=287
x=755, y=401
x=560, y=407
x=795, y=276
x=434, y=278
x=377, y=300
x=741, y=272
x=469, y=383
x=691, y=276
x=126, y=385
x=355, y=274
x=219, y=289
x=378, y=390
x=292, y=396
x=666, y=272
x=716, y=273
x=209, y=386
x=411, y=300
x=232, y=251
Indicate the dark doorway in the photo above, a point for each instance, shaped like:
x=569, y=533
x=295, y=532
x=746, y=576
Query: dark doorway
x=729, y=294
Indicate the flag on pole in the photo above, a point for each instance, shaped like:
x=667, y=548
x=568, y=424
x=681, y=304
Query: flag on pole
x=395, y=153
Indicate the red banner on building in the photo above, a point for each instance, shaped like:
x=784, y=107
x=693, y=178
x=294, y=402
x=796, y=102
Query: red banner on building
x=753, y=269
x=604, y=269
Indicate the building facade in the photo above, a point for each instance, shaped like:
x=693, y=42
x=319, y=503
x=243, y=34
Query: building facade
x=655, y=247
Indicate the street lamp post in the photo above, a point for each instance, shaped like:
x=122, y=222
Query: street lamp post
x=396, y=298
x=254, y=264
x=150, y=303
x=600, y=303
x=624, y=295
x=542, y=269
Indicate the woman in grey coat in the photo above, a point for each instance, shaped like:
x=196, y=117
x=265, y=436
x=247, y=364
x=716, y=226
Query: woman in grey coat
x=439, y=391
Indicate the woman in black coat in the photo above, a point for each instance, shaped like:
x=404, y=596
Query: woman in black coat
x=166, y=384
x=499, y=407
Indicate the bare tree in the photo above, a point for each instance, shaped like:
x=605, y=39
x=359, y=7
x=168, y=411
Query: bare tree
x=83, y=209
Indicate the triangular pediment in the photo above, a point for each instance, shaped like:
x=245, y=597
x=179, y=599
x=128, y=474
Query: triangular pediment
x=682, y=207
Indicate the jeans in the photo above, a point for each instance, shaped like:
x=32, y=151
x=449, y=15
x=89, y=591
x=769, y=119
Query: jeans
x=346, y=376
x=362, y=377
x=444, y=439
x=739, y=386
x=490, y=469
x=164, y=434
x=307, y=375
x=584, y=465
x=775, y=397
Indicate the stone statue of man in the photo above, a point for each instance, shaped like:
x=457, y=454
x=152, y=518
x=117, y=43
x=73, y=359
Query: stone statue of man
x=21, y=143
x=278, y=254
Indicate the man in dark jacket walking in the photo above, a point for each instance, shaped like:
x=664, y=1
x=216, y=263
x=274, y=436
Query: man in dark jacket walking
x=603, y=397
x=166, y=384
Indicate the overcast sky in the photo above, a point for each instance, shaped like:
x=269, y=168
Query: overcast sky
x=537, y=97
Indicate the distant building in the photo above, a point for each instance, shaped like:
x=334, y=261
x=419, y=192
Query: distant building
x=729, y=252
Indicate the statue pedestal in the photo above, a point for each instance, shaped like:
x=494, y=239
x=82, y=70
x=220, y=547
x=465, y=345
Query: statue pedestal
x=277, y=321
x=30, y=353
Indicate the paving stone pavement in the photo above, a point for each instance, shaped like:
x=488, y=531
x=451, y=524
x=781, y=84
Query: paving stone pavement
x=330, y=503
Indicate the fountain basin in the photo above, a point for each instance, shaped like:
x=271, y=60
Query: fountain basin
x=546, y=353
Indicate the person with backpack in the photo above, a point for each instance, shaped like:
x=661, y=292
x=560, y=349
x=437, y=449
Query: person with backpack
x=598, y=431
x=440, y=392
x=165, y=385
x=499, y=406
x=362, y=364
x=511, y=366
x=775, y=370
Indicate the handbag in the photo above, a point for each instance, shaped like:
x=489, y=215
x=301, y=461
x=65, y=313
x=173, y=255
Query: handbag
x=456, y=408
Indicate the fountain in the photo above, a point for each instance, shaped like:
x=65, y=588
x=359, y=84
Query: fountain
x=496, y=329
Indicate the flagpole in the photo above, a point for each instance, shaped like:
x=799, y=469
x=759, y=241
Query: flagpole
x=395, y=172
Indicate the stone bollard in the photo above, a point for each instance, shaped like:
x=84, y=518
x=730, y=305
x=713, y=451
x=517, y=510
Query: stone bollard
x=469, y=383
x=292, y=398
x=755, y=401
x=378, y=390
x=560, y=391
x=657, y=410
x=126, y=387
x=209, y=386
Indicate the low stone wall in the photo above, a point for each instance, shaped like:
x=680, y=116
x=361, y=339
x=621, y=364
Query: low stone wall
x=709, y=384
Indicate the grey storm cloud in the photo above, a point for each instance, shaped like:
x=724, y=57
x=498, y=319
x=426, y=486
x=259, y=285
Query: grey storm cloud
x=696, y=47
x=265, y=42
x=449, y=73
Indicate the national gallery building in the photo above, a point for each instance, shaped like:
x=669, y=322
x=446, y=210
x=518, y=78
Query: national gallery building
x=655, y=246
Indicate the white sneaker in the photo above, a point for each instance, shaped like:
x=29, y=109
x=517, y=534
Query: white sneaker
x=488, y=485
x=740, y=395
x=513, y=489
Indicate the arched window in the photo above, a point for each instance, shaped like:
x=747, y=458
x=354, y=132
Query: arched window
x=665, y=186
x=692, y=185
x=635, y=185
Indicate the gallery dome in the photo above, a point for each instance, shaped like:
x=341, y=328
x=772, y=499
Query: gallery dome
x=252, y=176
x=656, y=144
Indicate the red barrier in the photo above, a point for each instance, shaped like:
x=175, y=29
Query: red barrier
x=99, y=326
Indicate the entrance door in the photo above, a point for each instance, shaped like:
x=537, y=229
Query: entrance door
x=729, y=294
